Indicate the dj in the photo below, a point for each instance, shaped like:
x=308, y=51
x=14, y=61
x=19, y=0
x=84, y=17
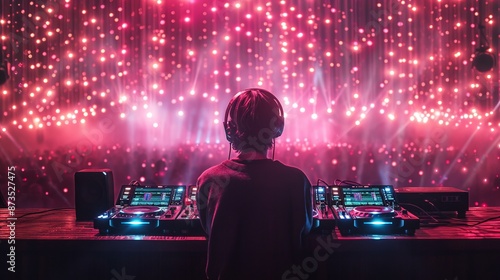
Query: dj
x=256, y=211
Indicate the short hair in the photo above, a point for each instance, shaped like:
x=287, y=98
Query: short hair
x=253, y=119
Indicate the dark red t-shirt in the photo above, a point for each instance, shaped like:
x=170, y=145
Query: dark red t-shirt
x=256, y=214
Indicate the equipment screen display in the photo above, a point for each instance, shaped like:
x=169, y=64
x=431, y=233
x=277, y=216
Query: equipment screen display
x=178, y=195
x=362, y=196
x=320, y=194
x=152, y=197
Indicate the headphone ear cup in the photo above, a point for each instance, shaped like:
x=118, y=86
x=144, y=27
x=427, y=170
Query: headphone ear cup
x=279, y=124
x=278, y=129
x=230, y=130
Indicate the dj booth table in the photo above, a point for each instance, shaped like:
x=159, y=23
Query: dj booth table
x=50, y=244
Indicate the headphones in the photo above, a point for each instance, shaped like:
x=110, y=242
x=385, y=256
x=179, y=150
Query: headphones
x=276, y=127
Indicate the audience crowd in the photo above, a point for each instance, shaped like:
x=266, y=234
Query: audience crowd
x=45, y=178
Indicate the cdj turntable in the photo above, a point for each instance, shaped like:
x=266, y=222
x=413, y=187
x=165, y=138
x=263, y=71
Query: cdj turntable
x=371, y=209
x=148, y=210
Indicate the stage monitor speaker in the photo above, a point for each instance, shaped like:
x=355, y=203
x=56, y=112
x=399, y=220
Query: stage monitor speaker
x=94, y=193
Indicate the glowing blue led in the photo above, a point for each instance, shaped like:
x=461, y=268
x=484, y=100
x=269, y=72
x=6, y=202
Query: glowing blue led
x=377, y=223
x=135, y=223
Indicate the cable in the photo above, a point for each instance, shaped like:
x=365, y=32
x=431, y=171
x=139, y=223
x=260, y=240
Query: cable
x=338, y=182
x=419, y=208
x=432, y=204
x=274, y=146
x=320, y=180
x=484, y=221
x=441, y=223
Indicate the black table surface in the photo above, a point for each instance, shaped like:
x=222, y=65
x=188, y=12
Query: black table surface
x=60, y=224
x=444, y=247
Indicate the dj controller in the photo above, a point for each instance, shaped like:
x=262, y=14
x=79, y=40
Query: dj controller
x=172, y=210
x=362, y=209
x=158, y=209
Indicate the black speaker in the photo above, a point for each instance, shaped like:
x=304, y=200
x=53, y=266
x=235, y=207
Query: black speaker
x=94, y=193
